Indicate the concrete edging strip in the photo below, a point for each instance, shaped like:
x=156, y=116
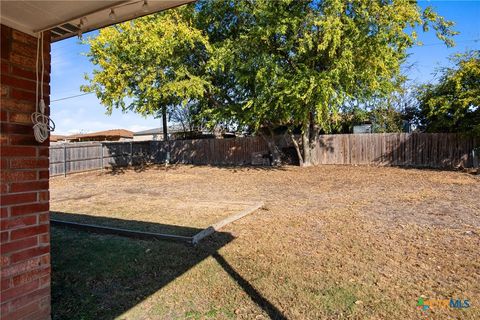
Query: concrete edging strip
x=162, y=236
x=120, y=232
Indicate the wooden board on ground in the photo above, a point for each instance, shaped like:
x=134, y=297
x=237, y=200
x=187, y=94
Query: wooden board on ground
x=153, y=235
x=215, y=227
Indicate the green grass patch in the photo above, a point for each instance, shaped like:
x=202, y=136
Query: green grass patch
x=103, y=276
x=338, y=301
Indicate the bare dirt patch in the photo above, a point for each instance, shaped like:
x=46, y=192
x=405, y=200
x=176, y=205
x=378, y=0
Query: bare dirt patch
x=333, y=242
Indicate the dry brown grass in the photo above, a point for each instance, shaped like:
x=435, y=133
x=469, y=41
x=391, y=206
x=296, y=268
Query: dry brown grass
x=332, y=242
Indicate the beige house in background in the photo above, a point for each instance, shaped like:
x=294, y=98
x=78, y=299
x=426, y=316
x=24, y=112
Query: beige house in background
x=156, y=134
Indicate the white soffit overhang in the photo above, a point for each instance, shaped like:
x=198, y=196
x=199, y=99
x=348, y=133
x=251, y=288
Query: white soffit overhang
x=65, y=18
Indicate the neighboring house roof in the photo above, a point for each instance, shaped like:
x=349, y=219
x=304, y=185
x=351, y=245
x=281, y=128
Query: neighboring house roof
x=171, y=129
x=121, y=133
x=57, y=137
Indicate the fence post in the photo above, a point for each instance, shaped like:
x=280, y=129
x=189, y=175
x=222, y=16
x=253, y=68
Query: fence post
x=101, y=156
x=476, y=157
x=64, y=160
x=131, y=153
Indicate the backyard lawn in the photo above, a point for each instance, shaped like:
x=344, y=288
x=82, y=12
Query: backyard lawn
x=331, y=242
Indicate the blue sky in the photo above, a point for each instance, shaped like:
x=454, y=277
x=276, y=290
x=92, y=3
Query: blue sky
x=86, y=114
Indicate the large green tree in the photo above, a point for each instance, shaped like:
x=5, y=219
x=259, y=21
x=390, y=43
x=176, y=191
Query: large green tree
x=149, y=63
x=453, y=104
x=262, y=63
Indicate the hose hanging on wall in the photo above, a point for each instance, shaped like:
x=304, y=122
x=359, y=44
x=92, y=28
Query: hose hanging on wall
x=42, y=124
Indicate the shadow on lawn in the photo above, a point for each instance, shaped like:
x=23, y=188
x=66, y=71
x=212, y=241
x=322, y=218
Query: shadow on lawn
x=98, y=276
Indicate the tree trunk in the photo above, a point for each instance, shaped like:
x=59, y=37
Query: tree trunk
x=313, y=148
x=164, y=123
x=165, y=133
x=297, y=148
x=310, y=142
x=307, y=152
x=272, y=147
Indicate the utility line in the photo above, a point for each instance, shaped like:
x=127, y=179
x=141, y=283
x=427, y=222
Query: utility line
x=71, y=97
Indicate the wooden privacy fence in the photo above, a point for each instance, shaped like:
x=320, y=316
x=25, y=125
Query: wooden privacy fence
x=237, y=151
x=79, y=157
x=435, y=150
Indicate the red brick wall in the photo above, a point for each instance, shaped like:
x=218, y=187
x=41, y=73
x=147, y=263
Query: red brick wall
x=24, y=202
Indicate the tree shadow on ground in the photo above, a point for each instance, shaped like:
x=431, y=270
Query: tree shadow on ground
x=233, y=168
x=120, y=157
x=117, y=170
x=101, y=276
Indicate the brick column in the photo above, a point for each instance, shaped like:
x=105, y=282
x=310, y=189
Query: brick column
x=24, y=202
